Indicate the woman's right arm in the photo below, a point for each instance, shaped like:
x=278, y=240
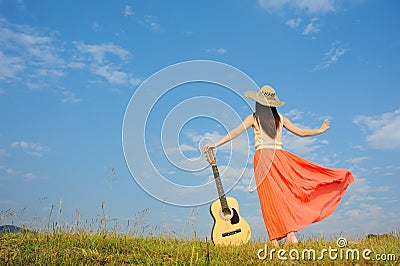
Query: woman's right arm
x=247, y=122
x=302, y=132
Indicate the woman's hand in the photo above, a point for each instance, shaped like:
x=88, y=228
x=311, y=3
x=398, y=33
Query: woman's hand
x=208, y=146
x=325, y=126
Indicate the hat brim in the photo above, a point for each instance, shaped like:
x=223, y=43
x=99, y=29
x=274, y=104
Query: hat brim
x=256, y=96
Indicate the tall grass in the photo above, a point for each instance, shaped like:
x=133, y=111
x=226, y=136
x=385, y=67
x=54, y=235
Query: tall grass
x=108, y=248
x=79, y=245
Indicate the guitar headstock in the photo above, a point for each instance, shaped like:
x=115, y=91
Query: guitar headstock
x=210, y=156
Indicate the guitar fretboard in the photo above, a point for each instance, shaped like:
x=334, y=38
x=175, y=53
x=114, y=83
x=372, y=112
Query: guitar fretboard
x=220, y=189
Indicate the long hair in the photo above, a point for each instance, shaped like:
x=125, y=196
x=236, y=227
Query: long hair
x=269, y=119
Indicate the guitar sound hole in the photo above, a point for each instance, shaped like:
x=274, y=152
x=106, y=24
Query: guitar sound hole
x=230, y=214
x=226, y=212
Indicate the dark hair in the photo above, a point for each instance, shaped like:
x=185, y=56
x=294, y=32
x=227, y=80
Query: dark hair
x=269, y=119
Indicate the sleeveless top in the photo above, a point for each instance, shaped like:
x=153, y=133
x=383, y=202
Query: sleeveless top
x=262, y=140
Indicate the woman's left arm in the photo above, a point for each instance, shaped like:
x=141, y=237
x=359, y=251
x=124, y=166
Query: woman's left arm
x=247, y=122
x=302, y=132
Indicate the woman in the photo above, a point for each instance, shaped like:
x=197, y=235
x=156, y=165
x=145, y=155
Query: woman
x=293, y=192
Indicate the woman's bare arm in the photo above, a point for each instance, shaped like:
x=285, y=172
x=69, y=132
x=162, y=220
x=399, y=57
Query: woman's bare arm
x=247, y=122
x=302, y=132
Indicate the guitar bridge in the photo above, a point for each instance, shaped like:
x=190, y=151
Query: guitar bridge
x=231, y=232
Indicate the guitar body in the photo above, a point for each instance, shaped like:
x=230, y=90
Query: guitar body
x=229, y=228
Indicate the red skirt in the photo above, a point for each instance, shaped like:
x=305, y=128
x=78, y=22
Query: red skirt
x=294, y=192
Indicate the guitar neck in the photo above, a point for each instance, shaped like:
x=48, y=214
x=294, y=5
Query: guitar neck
x=220, y=188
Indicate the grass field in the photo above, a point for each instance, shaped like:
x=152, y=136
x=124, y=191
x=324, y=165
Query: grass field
x=82, y=244
x=101, y=248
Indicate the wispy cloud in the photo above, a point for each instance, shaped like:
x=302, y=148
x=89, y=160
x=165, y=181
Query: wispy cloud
x=10, y=66
x=35, y=58
x=294, y=22
x=307, y=6
x=331, y=57
x=236, y=178
x=25, y=47
x=221, y=51
x=152, y=22
x=97, y=56
x=311, y=27
x=300, y=145
x=30, y=176
x=99, y=52
x=69, y=97
x=363, y=191
x=382, y=131
x=357, y=160
x=32, y=57
x=310, y=147
x=35, y=149
x=128, y=11
x=301, y=118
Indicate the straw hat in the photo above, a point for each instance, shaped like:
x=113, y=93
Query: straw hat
x=266, y=96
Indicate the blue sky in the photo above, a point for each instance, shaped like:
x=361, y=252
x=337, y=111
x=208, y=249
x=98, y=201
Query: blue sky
x=69, y=73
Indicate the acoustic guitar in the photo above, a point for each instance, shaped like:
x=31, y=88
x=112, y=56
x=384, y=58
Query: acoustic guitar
x=229, y=227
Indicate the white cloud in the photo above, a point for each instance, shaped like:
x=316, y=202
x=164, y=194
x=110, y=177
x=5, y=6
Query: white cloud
x=357, y=160
x=307, y=6
x=186, y=147
x=10, y=66
x=231, y=175
x=299, y=145
x=32, y=57
x=383, y=131
x=35, y=149
x=36, y=59
x=171, y=151
x=294, y=22
x=99, y=57
x=76, y=65
x=362, y=191
x=295, y=114
x=111, y=75
x=134, y=81
x=311, y=27
x=309, y=147
x=29, y=176
x=153, y=24
x=332, y=56
x=99, y=52
x=30, y=47
x=128, y=11
x=69, y=97
x=216, y=51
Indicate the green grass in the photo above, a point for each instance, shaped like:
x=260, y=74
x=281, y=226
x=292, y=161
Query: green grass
x=99, y=248
x=98, y=243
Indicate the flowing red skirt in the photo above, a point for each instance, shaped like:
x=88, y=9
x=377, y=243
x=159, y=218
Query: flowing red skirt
x=295, y=192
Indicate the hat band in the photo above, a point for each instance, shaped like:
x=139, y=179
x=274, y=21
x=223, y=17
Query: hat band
x=268, y=94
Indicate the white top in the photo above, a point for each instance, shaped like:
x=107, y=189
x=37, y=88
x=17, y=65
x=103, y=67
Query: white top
x=263, y=141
